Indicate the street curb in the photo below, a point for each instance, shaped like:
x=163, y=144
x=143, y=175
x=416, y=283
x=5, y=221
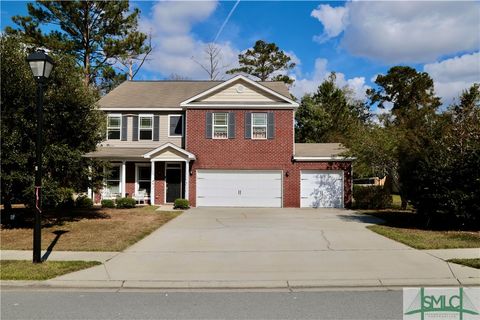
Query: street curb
x=237, y=285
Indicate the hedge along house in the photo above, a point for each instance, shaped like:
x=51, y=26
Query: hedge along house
x=216, y=143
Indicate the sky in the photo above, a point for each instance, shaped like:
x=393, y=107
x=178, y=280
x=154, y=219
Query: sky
x=358, y=40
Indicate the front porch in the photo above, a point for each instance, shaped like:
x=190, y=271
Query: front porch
x=156, y=177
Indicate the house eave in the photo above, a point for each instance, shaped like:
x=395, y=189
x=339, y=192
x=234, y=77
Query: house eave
x=313, y=159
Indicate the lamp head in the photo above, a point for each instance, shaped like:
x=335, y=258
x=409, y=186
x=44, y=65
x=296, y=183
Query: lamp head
x=41, y=64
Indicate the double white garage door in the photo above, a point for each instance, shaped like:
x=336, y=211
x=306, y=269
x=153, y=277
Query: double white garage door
x=239, y=188
x=263, y=188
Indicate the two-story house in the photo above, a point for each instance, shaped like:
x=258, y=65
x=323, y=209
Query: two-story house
x=216, y=143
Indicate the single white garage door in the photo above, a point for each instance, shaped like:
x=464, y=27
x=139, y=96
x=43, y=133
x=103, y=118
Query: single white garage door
x=239, y=188
x=321, y=189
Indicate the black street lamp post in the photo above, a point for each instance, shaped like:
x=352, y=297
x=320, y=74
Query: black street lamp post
x=41, y=65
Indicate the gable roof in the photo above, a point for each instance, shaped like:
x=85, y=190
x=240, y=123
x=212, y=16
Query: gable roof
x=165, y=94
x=190, y=155
x=280, y=100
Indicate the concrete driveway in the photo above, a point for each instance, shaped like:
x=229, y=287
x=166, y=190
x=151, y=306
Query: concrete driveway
x=240, y=247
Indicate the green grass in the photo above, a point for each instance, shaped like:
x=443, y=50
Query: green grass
x=474, y=263
x=429, y=239
x=408, y=228
x=26, y=270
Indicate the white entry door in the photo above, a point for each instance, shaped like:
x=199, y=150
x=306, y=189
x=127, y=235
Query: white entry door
x=239, y=188
x=321, y=189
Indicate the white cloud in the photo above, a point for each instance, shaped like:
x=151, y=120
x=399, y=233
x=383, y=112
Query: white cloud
x=175, y=47
x=452, y=76
x=406, y=31
x=310, y=83
x=334, y=20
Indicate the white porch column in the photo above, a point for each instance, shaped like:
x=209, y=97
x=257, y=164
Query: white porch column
x=123, y=182
x=152, y=179
x=187, y=177
x=89, y=190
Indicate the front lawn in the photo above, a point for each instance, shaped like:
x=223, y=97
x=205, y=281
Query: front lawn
x=88, y=229
x=405, y=227
x=473, y=263
x=26, y=270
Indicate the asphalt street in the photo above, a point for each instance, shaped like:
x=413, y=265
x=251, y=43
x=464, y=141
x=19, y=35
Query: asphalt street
x=201, y=305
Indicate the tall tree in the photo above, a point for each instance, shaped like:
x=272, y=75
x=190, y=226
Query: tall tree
x=330, y=114
x=444, y=179
x=265, y=61
x=212, y=61
x=413, y=102
x=73, y=124
x=96, y=33
x=132, y=57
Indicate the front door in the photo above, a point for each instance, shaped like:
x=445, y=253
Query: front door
x=173, y=179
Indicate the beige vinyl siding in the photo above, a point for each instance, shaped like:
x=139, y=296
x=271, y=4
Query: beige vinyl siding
x=163, y=137
x=249, y=94
x=170, y=154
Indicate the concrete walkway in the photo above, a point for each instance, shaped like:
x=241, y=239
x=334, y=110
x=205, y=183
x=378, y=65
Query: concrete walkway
x=269, y=248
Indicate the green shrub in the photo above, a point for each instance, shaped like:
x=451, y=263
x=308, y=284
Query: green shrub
x=125, y=203
x=181, y=204
x=371, y=197
x=83, y=202
x=107, y=203
x=53, y=196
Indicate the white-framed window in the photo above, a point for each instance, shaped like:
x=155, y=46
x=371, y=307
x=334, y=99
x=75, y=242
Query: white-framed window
x=112, y=180
x=220, y=125
x=114, y=125
x=259, y=126
x=175, y=125
x=145, y=127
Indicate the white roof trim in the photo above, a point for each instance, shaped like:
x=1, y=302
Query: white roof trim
x=186, y=103
x=141, y=109
x=323, y=158
x=190, y=156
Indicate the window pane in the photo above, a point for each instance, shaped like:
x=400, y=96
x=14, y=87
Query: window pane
x=259, y=119
x=113, y=134
x=259, y=133
x=176, y=125
x=144, y=186
x=114, y=122
x=113, y=186
x=144, y=173
x=220, y=132
x=220, y=119
x=114, y=173
x=146, y=134
x=146, y=123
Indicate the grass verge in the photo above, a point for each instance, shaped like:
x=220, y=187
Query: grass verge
x=473, y=263
x=26, y=270
x=87, y=230
x=404, y=227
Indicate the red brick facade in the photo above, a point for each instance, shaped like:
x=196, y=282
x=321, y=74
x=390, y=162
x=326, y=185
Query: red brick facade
x=241, y=153
x=159, y=182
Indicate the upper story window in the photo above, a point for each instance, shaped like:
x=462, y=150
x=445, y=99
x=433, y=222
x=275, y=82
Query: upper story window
x=175, y=125
x=114, y=123
x=220, y=126
x=145, y=128
x=259, y=126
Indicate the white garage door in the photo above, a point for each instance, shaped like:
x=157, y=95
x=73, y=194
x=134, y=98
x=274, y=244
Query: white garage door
x=239, y=188
x=321, y=189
